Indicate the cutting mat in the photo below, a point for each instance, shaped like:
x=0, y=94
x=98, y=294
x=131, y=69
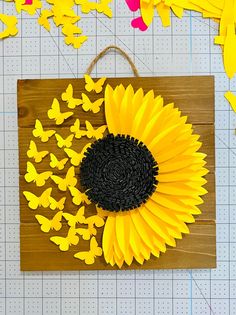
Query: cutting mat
x=186, y=48
x=197, y=250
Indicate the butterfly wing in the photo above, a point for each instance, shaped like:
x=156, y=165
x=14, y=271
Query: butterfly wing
x=61, y=182
x=42, y=177
x=60, y=141
x=94, y=248
x=90, y=129
x=84, y=233
x=71, y=180
x=44, y=198
x=44, y=222
x=61, y=203
x=87, y=105
x=66, y=96
x=89, y=83
x=70, y=218
x=98, y=134
x=47, y=134
x=68, y=141
x=75, y=158
x=72, y=237
x=54, y=111
x=33, y=201
x=86, y=256
x=61, y=241
x=99, y=85
x=61, y=164
x=76, y=194
x=80, y=218
x=56, y=221
x=53, y=203
x=31, y=174
x=54, y=161
x=97, y=105
x=33, y=152
x=38, y=131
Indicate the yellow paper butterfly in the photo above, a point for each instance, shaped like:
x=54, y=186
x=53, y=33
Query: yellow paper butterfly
x=65, y=242
x=35, y=154
x=33, y=176
x=68, y=97
x=55, y=113
x=73, y=219
x=76, y=41
x=53, y=224
x=89, y=257
x=10, y=22
x=85, y=233
x=86, y=6
x=57, y=204
x=56, y=163
x=76, y=129
x=76, y=158
x=94, y=133
x=92, y=221
x=89, y=106
x=78, y=196
x=43, y=19
x=42, y=201
x=93, y=86
x=64, y=142
x=69, y=180
x=38, y=132
x=103, y=7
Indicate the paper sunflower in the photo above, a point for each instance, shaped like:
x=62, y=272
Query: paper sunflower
x=145, y=176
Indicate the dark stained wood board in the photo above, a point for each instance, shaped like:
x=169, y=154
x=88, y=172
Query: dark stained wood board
x=193, y=95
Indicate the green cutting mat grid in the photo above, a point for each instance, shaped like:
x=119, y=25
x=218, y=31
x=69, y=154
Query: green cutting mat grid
x=184, y=48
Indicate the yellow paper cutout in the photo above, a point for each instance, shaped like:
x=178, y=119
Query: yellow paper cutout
x=94, y=220
x=43, y=20
x=76, y=158
x=65, y=242
x=53, y=224
x=94, y=133
x=35, y=154
x=231, y=99
x=72, y=220
x=30, y=8
x=57, y=204
x=67, y=96
x=85, y=233
x=33, y=176
x=55, y=113
x=10, y=22
x=78, y=197
x=90, y=85
x=61, y=142
x=76, y=42
x=39, y=132
x=55, y=163
x=69, y=180
x=101, y=7
x=89, y=257
x=91, y=106
x=42, y=201
x=76, y=129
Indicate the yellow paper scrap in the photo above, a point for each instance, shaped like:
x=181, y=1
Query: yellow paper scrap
x=231, y=99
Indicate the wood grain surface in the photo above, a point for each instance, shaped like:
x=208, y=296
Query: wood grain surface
x=193, y=95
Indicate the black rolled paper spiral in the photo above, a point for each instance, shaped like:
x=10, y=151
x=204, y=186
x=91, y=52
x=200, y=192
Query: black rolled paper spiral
x=118, y=173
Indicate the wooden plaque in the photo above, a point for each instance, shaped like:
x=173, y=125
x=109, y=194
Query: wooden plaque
x=193, y=95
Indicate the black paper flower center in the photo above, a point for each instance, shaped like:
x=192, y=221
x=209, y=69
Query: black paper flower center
x=118, y=173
